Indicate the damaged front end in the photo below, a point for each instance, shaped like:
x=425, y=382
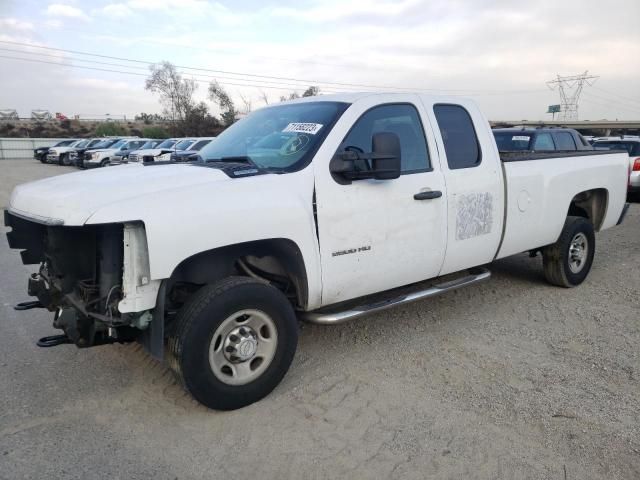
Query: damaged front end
x=94, y=277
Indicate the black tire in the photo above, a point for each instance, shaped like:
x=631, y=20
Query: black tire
x=61, y=158
x=104, y=162
x=198, y=320
x=557, y=257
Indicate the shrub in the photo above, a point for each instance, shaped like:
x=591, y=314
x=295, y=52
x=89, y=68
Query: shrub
x=154, y=132
x=109, y=129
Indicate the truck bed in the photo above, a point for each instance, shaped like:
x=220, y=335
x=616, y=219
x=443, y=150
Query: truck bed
x=540, y=187
x=529, y=155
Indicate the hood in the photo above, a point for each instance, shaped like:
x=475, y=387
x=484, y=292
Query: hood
x=72, y=198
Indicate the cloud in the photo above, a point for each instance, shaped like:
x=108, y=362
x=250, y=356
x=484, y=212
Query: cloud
x=68, y=11
x=15, y=25
x=119, y=10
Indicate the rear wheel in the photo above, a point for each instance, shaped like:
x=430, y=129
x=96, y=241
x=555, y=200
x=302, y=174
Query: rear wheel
x=568, y=261
x=233, y=343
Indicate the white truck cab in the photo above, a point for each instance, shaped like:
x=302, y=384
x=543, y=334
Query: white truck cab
x=322, y=209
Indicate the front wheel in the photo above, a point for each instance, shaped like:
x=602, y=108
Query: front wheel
x=62, y=159
x=233, y=343
x=568, y=261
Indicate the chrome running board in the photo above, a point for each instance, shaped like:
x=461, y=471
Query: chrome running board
x=325, y=317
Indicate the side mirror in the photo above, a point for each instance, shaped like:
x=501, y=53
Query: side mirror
x=386, y=156
x=383, y=163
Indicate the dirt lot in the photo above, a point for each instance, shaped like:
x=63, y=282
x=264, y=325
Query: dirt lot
x=511, y=379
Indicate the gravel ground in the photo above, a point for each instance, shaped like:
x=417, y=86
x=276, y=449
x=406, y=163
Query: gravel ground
x=509, y=379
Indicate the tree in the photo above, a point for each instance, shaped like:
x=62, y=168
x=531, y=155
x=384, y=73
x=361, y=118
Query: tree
x=200, y=123
x=246, y=104
x=219, y=95
x=149, y=118
x=311, y=92
x=176, y=93
x=109, y=129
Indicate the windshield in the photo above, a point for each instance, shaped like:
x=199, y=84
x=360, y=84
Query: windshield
x=119, y=143
x=184, y=144
x=148, y=144
x=82, y=144
x=513, y=141
x=105, y=143
x=168, y=143
x=280, y=138
x=199, y=144
x=64, y=143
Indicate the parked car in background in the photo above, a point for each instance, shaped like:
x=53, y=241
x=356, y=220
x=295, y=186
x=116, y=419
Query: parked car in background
x=59, y=155
x=632, y=146
x=149, y=154
x=179, y=146
x=100, y=157
x=72, y=156
x=531, y=139
x=104, y=144
x=122, y=155
x=191, y=153
x=40, y=153
x=76, y=154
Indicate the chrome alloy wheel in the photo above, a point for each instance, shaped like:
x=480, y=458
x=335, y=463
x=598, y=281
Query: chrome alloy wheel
x=578, y=252
x=243, y=347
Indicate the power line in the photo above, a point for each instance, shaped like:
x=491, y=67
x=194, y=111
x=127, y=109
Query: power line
x=33, y=60
x=209, y=77
x=615, y=103
x=305, y=81
x=617, y=95
x=608, y=105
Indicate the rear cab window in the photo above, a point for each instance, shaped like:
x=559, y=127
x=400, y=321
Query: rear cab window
x=544, y=141
x=564, y=141
x=513, y=141
x=459, y=136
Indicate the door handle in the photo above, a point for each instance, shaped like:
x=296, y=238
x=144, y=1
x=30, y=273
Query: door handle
x=430, y=195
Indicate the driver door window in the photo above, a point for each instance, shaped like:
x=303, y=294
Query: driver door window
x=401, y=119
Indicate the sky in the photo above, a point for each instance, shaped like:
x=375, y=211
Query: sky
x=499, y=52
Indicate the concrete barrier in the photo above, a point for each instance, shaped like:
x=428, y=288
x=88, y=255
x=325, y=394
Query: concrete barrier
x=22, y=148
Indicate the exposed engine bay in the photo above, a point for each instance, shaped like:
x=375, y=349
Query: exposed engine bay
x=82, y=279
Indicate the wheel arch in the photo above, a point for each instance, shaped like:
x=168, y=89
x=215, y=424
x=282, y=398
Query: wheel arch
x=279, y=257
x=591, y=204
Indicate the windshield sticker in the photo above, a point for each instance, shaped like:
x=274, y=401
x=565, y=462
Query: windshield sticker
x=295, y=145
x=311, y=128
x=520, y=138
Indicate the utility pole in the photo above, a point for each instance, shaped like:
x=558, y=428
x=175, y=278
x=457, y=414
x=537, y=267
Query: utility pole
x=570, y=89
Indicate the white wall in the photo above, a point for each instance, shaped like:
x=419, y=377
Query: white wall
x=18, y=148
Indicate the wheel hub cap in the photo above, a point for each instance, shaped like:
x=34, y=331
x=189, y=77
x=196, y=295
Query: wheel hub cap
x=240, y=344
x=578, y=251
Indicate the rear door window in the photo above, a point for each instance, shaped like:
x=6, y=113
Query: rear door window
x=544, y=141
x=459, y=136
x=565, y=141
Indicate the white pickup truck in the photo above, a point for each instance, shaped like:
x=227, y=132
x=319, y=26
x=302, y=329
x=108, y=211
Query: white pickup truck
x=323, y=209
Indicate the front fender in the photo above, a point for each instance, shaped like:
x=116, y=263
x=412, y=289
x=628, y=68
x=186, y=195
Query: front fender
x=180, y=224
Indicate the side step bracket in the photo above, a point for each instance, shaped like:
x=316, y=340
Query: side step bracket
x=475, y=275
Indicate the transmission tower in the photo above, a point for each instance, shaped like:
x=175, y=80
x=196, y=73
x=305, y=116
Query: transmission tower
x=570, y=89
